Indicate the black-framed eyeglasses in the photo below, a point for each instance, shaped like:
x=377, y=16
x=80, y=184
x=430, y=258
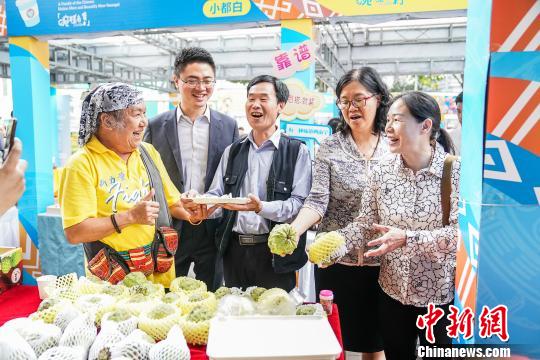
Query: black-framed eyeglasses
x=357, y=103
x=192, y=83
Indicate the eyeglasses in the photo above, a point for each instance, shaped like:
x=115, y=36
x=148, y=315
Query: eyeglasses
x=192, y=83
x=357, y=103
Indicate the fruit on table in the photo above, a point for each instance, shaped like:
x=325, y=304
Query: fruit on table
x=200, y=313
x=187, y=285
x=276, y=301
x=256, y=293
x=161, y=311
x=171, y=298
x=114, y=290
x=305, y=310
x=119, y=315
x=134, y=278
x=47, y=303
x=222, y=291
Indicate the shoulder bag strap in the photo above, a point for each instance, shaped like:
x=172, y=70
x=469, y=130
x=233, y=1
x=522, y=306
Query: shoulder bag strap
x=164, y=217
x=446, y=188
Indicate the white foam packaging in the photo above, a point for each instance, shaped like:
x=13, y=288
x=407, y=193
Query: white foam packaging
x=272, y=337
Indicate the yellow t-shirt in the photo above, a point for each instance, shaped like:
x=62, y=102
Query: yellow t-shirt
x=57, y=175
x=96, y=182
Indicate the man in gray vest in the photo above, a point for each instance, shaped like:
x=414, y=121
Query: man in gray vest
x=274, y=172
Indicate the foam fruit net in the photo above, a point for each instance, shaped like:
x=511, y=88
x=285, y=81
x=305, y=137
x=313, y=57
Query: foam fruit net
x=206, y=299
x=174, y=347
x=158, y=320
x=196, y=325
x=187, y=285
x=327, y=248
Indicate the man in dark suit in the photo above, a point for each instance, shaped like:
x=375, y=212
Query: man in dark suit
x=191, y=140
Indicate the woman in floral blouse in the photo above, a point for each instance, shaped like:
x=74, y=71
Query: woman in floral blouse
x=342, y=166
x=403, y=203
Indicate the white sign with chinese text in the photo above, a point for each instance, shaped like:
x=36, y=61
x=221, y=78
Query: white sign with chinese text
x=300, y=57
x=226, y=8
x=308, y=131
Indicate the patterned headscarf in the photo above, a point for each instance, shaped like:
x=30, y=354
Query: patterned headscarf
x=105, y=98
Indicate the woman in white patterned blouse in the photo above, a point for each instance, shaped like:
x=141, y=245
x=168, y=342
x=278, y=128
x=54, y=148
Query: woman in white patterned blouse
x=340, y=173
x=403, y=203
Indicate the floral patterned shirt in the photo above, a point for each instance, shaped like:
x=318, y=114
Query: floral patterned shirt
x=340, y=174
x=423, y=270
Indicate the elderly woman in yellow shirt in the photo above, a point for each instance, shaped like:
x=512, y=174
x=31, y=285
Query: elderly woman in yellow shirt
x=107, y=190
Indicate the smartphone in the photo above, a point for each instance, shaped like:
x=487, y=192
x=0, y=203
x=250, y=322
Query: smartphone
x=11, y=127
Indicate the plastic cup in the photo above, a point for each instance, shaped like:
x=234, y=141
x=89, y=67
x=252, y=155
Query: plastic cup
x=45, y=282
x=29, y=11
x=326, y=299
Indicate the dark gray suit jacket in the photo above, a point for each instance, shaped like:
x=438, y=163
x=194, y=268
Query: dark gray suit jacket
x=162, y=133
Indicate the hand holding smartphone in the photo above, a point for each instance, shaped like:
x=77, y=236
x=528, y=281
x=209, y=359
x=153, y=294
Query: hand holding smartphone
x=11, y=127
x=12, y=183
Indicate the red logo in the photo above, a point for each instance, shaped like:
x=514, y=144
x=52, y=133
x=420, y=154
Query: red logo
x=491, y=322
x=429, y=320
x=460, y=323
x=494, y=322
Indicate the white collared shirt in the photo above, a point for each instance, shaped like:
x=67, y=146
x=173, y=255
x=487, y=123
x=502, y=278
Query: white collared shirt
x=194, y=138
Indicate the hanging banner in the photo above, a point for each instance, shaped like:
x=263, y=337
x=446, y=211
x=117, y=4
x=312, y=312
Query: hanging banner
x=373, y=7
x=291, y=9
x=59, y=17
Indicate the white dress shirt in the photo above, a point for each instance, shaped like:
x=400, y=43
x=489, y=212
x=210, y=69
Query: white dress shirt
x=193, y=138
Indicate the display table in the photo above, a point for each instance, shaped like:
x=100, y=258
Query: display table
x=57, y=256
x=23, y=300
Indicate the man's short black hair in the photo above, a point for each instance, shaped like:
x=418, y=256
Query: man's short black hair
x=334, y=124
x=192, y=55
x=459, y=98
x=282, y=91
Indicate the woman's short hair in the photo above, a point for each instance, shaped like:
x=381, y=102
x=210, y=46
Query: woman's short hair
x=371, y=80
